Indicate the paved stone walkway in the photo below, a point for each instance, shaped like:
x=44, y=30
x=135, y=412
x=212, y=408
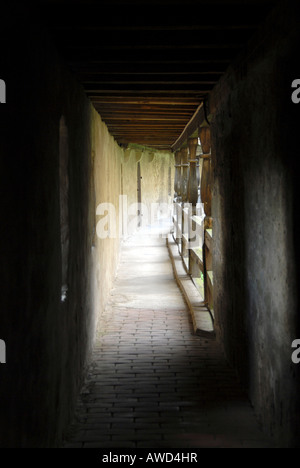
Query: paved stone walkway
x=152, y=382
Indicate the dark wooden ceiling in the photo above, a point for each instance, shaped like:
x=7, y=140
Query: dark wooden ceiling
x=148, y=65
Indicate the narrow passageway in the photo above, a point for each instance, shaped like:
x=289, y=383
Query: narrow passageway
x=190, y=107
x=152, y=382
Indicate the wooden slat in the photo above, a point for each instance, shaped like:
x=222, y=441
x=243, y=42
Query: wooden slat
x=151, y=131
x=141, y=113
x=156, y=93
x=144, y=118
x=145, y=100
x=181, y=107
x=147, y=120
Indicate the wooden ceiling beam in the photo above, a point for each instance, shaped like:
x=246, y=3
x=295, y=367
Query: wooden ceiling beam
x=155, y=144
x=166, y=55
x=144, y=110
x=134, y=128
x=149, y=85
x=145, y=129
x=112, y=66
x=158, y=90
x=145, y=138
x=168, y=129
x=146, y=100
x=145, y=120
x=86, y=77
x=166, y=132
x=143, y=117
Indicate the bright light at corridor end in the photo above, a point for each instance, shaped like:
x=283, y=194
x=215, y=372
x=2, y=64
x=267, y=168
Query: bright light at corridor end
x=124, y=220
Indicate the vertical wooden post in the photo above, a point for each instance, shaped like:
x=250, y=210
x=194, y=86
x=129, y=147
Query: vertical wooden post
x=184, y=198
x=206, y=178
x=192, y=197
x=206, y=197
x=198, y=178
x=193, y=182
x=184, y=174
x=177, y=180
x=177, y=200
x=139, y=194
x=204, y=135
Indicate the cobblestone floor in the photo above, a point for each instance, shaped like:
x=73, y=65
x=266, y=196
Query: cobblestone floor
x=152, y=382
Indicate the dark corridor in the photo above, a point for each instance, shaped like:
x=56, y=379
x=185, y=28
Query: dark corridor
x=202, y=97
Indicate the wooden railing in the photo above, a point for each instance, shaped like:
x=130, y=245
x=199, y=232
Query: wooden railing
x=193, y=224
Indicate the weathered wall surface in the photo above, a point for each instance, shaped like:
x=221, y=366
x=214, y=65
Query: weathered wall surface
x=256, y=231
x=107, y=158
x=157, y=181
x=47, y=339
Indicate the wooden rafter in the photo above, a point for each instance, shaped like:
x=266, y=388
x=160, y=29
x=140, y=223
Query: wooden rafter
x=147, y=70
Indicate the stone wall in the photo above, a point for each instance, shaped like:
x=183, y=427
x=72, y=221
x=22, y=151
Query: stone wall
x=47, y=338
x=256, y=230
x=58, y=163
x=107, y=157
